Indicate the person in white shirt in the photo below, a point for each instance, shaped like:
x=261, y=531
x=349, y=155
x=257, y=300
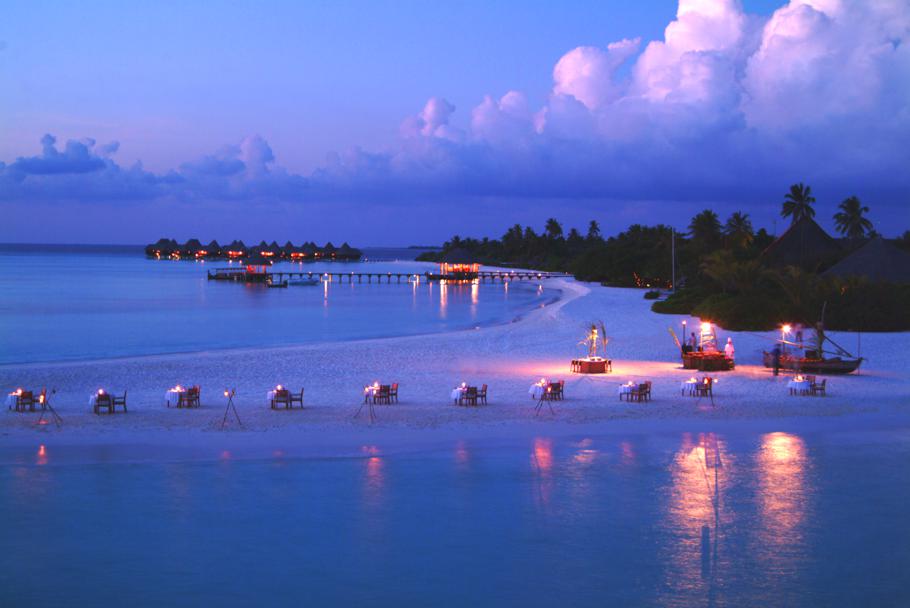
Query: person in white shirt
x=729, y=351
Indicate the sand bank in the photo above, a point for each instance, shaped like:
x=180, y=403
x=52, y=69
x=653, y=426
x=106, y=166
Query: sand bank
x=507, y=357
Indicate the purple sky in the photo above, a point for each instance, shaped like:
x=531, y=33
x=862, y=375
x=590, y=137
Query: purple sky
x=399, y=123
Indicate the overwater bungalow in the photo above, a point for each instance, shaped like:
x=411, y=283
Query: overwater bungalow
x=348, y=253
x=329, y=252
x=191, y=249
x=212, y=250
x=236, y=250
x=161, y=249
x=457, y=265
x=287, y=252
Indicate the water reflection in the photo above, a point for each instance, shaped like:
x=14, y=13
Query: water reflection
x=443, y=299
x=541, y=466
x=374, y=476
x=700, y=472
x=782, y=493
x=42, y=455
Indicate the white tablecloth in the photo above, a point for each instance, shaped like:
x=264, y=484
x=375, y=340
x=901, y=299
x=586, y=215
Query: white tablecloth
x=457, y=393
x=799, y=386
x=12, y=400
x=687, y=387
x=93, y=399
x=625, y=389
x=172, y=397
x=536, y=391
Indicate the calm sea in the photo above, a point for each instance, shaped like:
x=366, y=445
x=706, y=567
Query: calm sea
x=88, y=302
x=731, y=519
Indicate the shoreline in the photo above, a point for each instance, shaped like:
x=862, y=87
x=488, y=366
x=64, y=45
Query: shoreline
x=507, y=356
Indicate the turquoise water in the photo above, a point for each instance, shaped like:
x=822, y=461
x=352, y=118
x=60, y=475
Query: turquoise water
x=77, y=303
x=674, y=519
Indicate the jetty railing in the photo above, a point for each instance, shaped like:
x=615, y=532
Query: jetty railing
x=503, y=276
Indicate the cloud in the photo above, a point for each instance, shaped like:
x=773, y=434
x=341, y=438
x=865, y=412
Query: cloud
x=728, y=107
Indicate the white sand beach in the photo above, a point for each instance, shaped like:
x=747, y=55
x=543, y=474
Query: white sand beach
x=509, y=358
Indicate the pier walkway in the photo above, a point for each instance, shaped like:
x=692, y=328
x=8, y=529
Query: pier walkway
x=277, y=277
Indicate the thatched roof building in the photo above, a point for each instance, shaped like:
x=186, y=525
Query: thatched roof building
x=804, y=244
x=877, y=260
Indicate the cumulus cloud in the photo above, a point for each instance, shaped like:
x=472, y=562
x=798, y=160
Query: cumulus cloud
x=726, y=106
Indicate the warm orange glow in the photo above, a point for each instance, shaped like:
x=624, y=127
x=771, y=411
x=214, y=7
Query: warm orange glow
x=786, y=329
x=782, y=463
x=543, y=454
x=42, y=455
x=705, y=327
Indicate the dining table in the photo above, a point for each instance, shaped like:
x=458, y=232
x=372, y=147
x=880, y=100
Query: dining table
x=537, y=391
x=799, y=386
x=172, y=396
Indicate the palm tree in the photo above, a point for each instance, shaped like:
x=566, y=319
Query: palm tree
x=738, y=230
x=705, y=228
x=850, y=221
x=553, y=229
x=798, y=203
x=593, y=231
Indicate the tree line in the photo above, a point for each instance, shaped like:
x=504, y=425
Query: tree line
x=719, y=269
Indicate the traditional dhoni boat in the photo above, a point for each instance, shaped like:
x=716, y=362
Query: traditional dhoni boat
x=813, y=360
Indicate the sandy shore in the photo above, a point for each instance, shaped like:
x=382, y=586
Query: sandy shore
x=508, y=358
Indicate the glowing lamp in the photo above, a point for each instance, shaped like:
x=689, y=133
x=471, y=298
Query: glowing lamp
x=100, y=391
x=225, y=393
x=706, y=326
x=786, y=329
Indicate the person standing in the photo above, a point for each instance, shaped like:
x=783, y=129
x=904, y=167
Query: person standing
x=729, y=351
x=775, y=359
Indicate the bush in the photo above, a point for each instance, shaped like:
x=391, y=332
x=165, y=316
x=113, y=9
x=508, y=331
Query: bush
x=652, y=294
x=683, y=302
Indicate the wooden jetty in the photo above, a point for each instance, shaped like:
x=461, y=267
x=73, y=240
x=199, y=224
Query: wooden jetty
x=240, y=274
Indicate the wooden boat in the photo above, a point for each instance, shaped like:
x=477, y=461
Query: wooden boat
x=813, y=365
x=814, y=360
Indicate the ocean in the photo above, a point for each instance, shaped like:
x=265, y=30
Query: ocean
x=812, y=518
x=66, y=302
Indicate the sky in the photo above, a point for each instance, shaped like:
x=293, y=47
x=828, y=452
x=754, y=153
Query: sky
x=397, y=123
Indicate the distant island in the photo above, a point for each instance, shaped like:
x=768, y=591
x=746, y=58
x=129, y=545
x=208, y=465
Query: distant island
x=193, y=249
x=738, y=277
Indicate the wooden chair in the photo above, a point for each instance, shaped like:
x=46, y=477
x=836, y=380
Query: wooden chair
x=610, y=366
x=194, y=396
x=393, y=393
x=281, y=397
x=26, y=401
x=818, y=388
x=482, y=394
x=104, y=401
x=295, y=398
x=704, y=387
x=556, y=390
x=469, y=396
x=118, y=401
x=642, y=392
x=384, y=395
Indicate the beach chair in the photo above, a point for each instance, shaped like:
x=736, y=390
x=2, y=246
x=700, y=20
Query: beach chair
x=482, y=394
x=281, y=397
x=393, y=393
x=818, y=388
x=103, y=401
x=295, y=398
x=118, y=401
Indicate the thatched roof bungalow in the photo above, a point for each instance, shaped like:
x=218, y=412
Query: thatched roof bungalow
x=877, y=260
x=804, y=244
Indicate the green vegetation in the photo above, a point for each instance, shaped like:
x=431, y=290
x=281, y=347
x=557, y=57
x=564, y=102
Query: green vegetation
x=720, y=270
